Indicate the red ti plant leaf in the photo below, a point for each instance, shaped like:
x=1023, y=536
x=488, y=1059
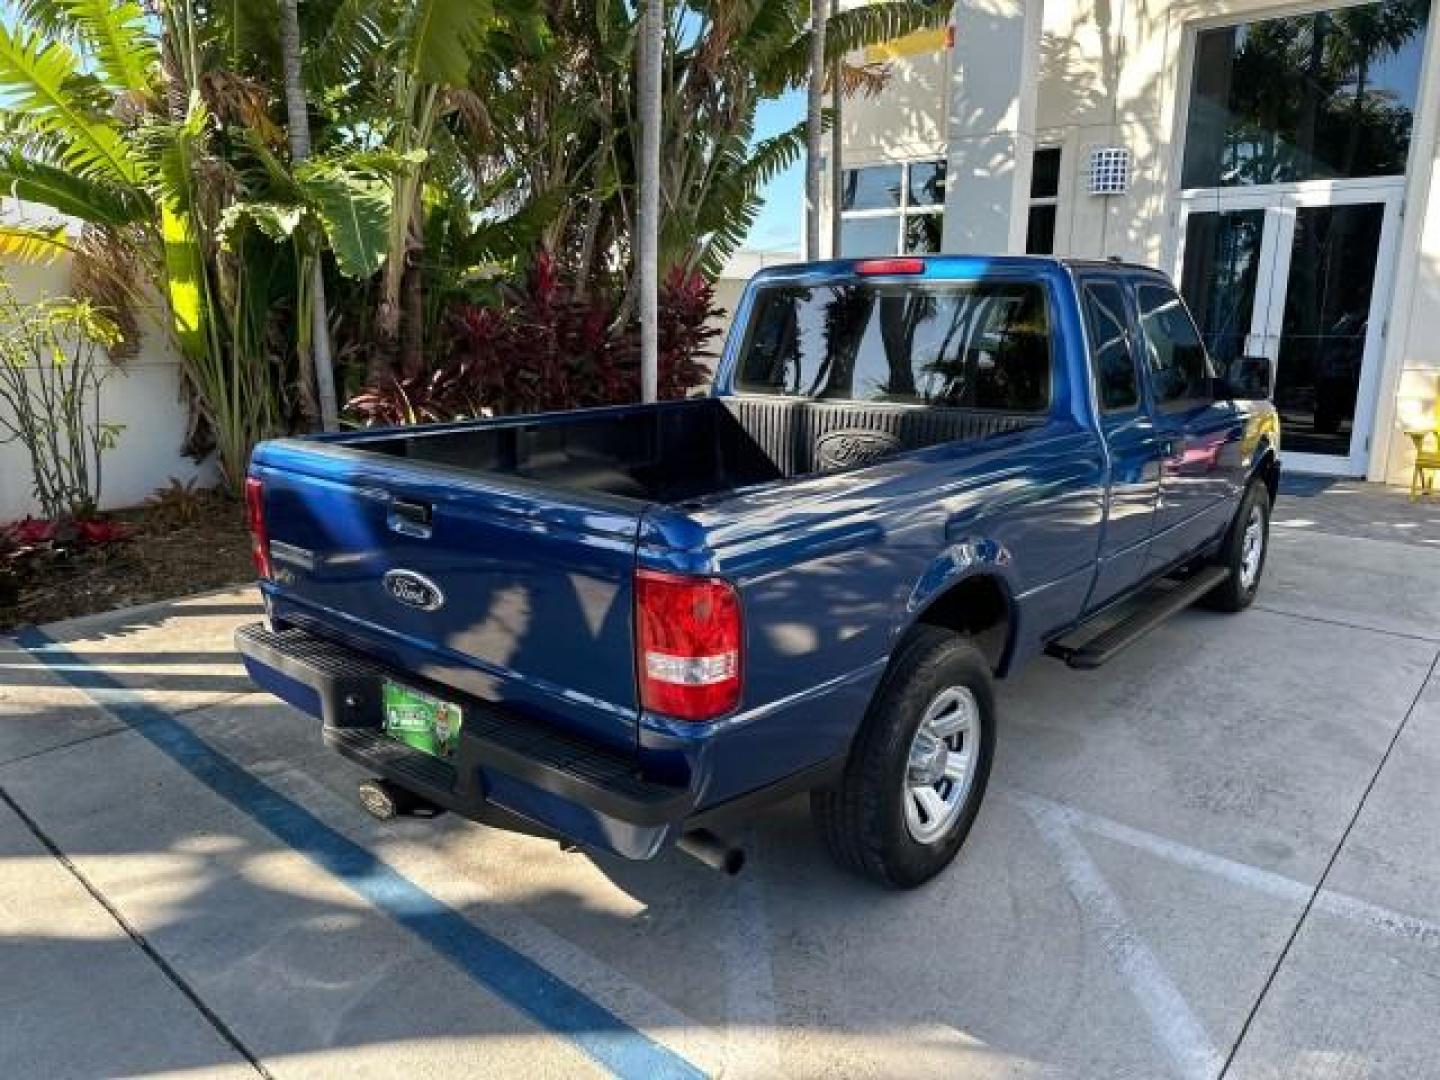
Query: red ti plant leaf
x=98, y=532
x=31, y=531
x=542, y=348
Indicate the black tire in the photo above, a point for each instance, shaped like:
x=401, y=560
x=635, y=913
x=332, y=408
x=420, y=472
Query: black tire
x=862, y=820
x=1235, y=593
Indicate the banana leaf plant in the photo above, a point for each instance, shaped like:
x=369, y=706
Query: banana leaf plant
x=128, y=127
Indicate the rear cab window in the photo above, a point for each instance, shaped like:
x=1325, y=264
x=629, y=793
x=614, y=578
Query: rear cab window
x=982, y=345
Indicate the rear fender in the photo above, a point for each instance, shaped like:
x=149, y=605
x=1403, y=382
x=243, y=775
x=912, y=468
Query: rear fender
x=962, y=562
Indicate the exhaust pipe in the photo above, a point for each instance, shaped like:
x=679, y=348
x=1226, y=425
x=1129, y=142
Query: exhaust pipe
x=711, y=850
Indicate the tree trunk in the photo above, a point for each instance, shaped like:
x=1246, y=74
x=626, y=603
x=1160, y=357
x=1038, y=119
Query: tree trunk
x=815, y=103
x=652, y=44
x=588, y=236
x=317, y=369
x=837, y=177
x=412, y=322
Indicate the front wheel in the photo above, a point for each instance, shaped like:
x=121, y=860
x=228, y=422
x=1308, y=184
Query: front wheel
x=919, y=766
x=1244, y=551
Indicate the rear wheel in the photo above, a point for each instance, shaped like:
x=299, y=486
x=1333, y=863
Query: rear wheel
x=1243, y=553
x=918, y=768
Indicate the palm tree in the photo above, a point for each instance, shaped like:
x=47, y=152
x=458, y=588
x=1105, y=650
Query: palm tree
x=837, y=175
x=321, y=375
x=652, y=46
x=814, y=121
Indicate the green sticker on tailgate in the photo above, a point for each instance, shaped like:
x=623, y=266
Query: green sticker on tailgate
x=421, y=721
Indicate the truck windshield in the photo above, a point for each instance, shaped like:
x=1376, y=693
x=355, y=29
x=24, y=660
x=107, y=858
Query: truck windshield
x=971, y=345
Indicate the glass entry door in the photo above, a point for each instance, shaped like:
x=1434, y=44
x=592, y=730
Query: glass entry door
x=1299, y=276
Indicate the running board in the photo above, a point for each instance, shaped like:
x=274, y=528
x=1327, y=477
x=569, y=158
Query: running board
x=1106, y=645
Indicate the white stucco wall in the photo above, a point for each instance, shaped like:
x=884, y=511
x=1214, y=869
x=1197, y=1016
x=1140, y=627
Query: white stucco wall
x=906, y=121
x=143, y=395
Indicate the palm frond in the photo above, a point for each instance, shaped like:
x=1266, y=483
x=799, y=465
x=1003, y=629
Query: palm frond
x=442, y=37
x=852, y=29
x=774, y=155
x=36, y=81
x=125, y=50
x=336, y=51
x=109, y=273
x=863, y=80
x=90, y=200
x=47, y=16
x=34, y=244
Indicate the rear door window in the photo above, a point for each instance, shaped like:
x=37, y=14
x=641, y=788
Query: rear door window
x=1175, y=359
x=973, y=345
x=1117, y=383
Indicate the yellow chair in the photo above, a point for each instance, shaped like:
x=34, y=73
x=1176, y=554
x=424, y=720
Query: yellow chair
x=1427, y=462
x=1418, y=406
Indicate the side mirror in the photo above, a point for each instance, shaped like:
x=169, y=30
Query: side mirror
x=1250, y=379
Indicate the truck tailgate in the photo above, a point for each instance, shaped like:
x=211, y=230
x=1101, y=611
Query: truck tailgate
x=517, y=593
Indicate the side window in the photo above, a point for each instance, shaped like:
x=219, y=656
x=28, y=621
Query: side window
x=1175, y=359
x=1116, y=382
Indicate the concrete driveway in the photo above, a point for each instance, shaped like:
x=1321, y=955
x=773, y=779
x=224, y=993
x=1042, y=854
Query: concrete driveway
x=1218, y=855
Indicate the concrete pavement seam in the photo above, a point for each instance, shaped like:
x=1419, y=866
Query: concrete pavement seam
x=1347, y=625
x=1329, y=866
x=119, y=729
x=189, y=992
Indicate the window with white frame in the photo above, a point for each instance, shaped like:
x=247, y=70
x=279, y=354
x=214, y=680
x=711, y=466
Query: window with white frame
x=1044, y=201
x=892, y=209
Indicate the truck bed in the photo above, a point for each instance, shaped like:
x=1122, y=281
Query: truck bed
x=686, y=451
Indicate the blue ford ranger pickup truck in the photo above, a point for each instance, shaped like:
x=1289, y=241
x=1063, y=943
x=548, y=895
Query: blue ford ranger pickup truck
x=624, y=627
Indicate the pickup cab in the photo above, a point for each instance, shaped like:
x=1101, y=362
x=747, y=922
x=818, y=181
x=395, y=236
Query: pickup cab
x=626, y=627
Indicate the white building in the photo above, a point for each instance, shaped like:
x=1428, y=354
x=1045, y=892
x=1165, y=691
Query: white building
x=1281, y=161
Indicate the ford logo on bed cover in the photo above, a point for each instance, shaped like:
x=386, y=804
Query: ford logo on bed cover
x=414, y=590
x=847, y=448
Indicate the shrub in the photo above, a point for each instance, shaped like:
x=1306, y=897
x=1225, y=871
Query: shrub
x=447, y=393
x=52, y=367
x=178, y=504
x=543, y=348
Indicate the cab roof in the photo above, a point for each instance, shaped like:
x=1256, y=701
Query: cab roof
x=945, y=267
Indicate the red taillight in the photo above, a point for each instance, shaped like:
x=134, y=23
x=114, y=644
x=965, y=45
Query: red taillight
x=687, y=634
x=255, y=514
x=871, y=267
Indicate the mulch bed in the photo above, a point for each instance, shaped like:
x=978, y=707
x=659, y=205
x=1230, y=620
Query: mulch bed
x=157, y=560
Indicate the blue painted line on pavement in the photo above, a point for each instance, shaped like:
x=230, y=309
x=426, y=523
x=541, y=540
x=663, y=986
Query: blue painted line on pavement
x=510, y=975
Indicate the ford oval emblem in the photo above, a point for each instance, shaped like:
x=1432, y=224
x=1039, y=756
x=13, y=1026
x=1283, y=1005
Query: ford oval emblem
x=847, y=448
x=414, y=590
